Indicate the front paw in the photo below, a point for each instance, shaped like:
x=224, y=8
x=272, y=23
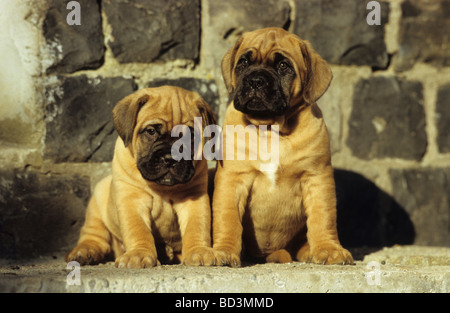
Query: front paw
x=225, y=257
x=86, y=254
x=137, y=259
x=201, y=256
x=330, y=253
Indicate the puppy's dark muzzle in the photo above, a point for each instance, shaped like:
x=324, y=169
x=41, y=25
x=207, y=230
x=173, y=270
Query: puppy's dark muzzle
x=259, y=93
x=161, y=168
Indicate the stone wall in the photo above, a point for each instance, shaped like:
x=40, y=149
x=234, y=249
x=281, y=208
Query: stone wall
x=387, y=109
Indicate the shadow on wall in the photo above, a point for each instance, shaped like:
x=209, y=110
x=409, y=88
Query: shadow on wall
x=367, y=216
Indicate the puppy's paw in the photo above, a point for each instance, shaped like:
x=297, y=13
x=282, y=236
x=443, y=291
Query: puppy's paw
x=279, y=256
x=86, y=254
x=330, y=253
x=224, y=257
x=137, y=259
x=201, y=256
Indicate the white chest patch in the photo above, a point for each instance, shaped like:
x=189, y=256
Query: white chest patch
x=270, y=171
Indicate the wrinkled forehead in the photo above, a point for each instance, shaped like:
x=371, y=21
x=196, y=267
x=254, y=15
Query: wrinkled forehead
x=169, y=108
x=263, y=46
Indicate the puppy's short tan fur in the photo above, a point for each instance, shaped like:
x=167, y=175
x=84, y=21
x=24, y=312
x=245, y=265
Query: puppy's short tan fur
x=131, y=216
x=290, y=212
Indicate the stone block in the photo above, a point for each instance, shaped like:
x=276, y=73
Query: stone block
x=79, y=118
x=339, y=32
x=423, y=34
x=387, y=119
x=148, y=30
x=40, y=213
x=235, y=16
x=165, y=283
x=443, y=118
x=206, y=88
x=75, y=47
x=425, y=195
x=228, y=20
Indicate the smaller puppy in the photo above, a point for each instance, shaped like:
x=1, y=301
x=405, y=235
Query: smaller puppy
x=152, y=207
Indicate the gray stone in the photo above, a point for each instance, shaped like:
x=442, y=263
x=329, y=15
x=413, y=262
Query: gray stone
x=411, y=256
x=387, y=119
x=423, y=34
x=79, y=118
x=339, y=32
x=236, y=16
x=379, y=276
x=206, y=88
x=76, y=47
x=40, y=213
x=443, y=118
x=425, y=195
x=148, y=30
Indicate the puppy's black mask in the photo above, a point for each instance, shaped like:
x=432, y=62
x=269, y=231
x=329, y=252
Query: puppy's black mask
x=156, y=163
x=263, y=89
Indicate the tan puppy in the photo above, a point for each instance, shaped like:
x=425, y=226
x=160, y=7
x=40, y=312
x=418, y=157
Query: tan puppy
x=283, y=208
x=152, y=206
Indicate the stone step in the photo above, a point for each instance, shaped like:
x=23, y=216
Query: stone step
x=402, y=269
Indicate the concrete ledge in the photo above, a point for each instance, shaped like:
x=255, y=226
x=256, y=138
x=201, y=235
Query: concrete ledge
x=398, y=269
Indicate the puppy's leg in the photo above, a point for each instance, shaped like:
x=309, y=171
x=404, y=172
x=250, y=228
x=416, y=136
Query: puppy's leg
x=319, y=199
x=229, y=200
x=134, y=215
x=94, y=242
x=194, y=217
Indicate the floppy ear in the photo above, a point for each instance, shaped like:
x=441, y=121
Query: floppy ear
x=208, y=116
x=125, y=114
x=319, y=74
x=228, y=65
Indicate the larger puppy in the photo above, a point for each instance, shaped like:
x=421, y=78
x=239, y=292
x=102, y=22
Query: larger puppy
x=289, y=208
x=153, y=206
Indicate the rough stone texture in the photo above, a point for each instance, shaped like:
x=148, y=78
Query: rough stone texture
x=443, y=118
x=329, y=104
x=206, y=88
x=409, y=276
x=230, y=19
x=79, y=118
x=76, y=47
x=387, y=119
x=423, y=34
x=411, y=255
x=40, y=213
x=236, y=16
x=339, y=32
x=425, y=195
x=367, y=216
x=148, y=30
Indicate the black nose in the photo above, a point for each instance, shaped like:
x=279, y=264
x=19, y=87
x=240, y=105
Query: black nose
x=257, y=82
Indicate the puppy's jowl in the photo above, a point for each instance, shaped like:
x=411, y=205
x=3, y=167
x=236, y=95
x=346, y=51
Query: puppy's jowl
x=289, y=211
x=152, y=208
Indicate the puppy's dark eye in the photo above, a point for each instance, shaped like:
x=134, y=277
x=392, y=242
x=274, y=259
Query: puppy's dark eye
x=151, y=131
x=282, y=66
x=242, y=62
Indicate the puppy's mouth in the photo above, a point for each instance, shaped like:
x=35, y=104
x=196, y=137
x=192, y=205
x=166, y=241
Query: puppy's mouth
x=260, y=94
x=162, y=169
